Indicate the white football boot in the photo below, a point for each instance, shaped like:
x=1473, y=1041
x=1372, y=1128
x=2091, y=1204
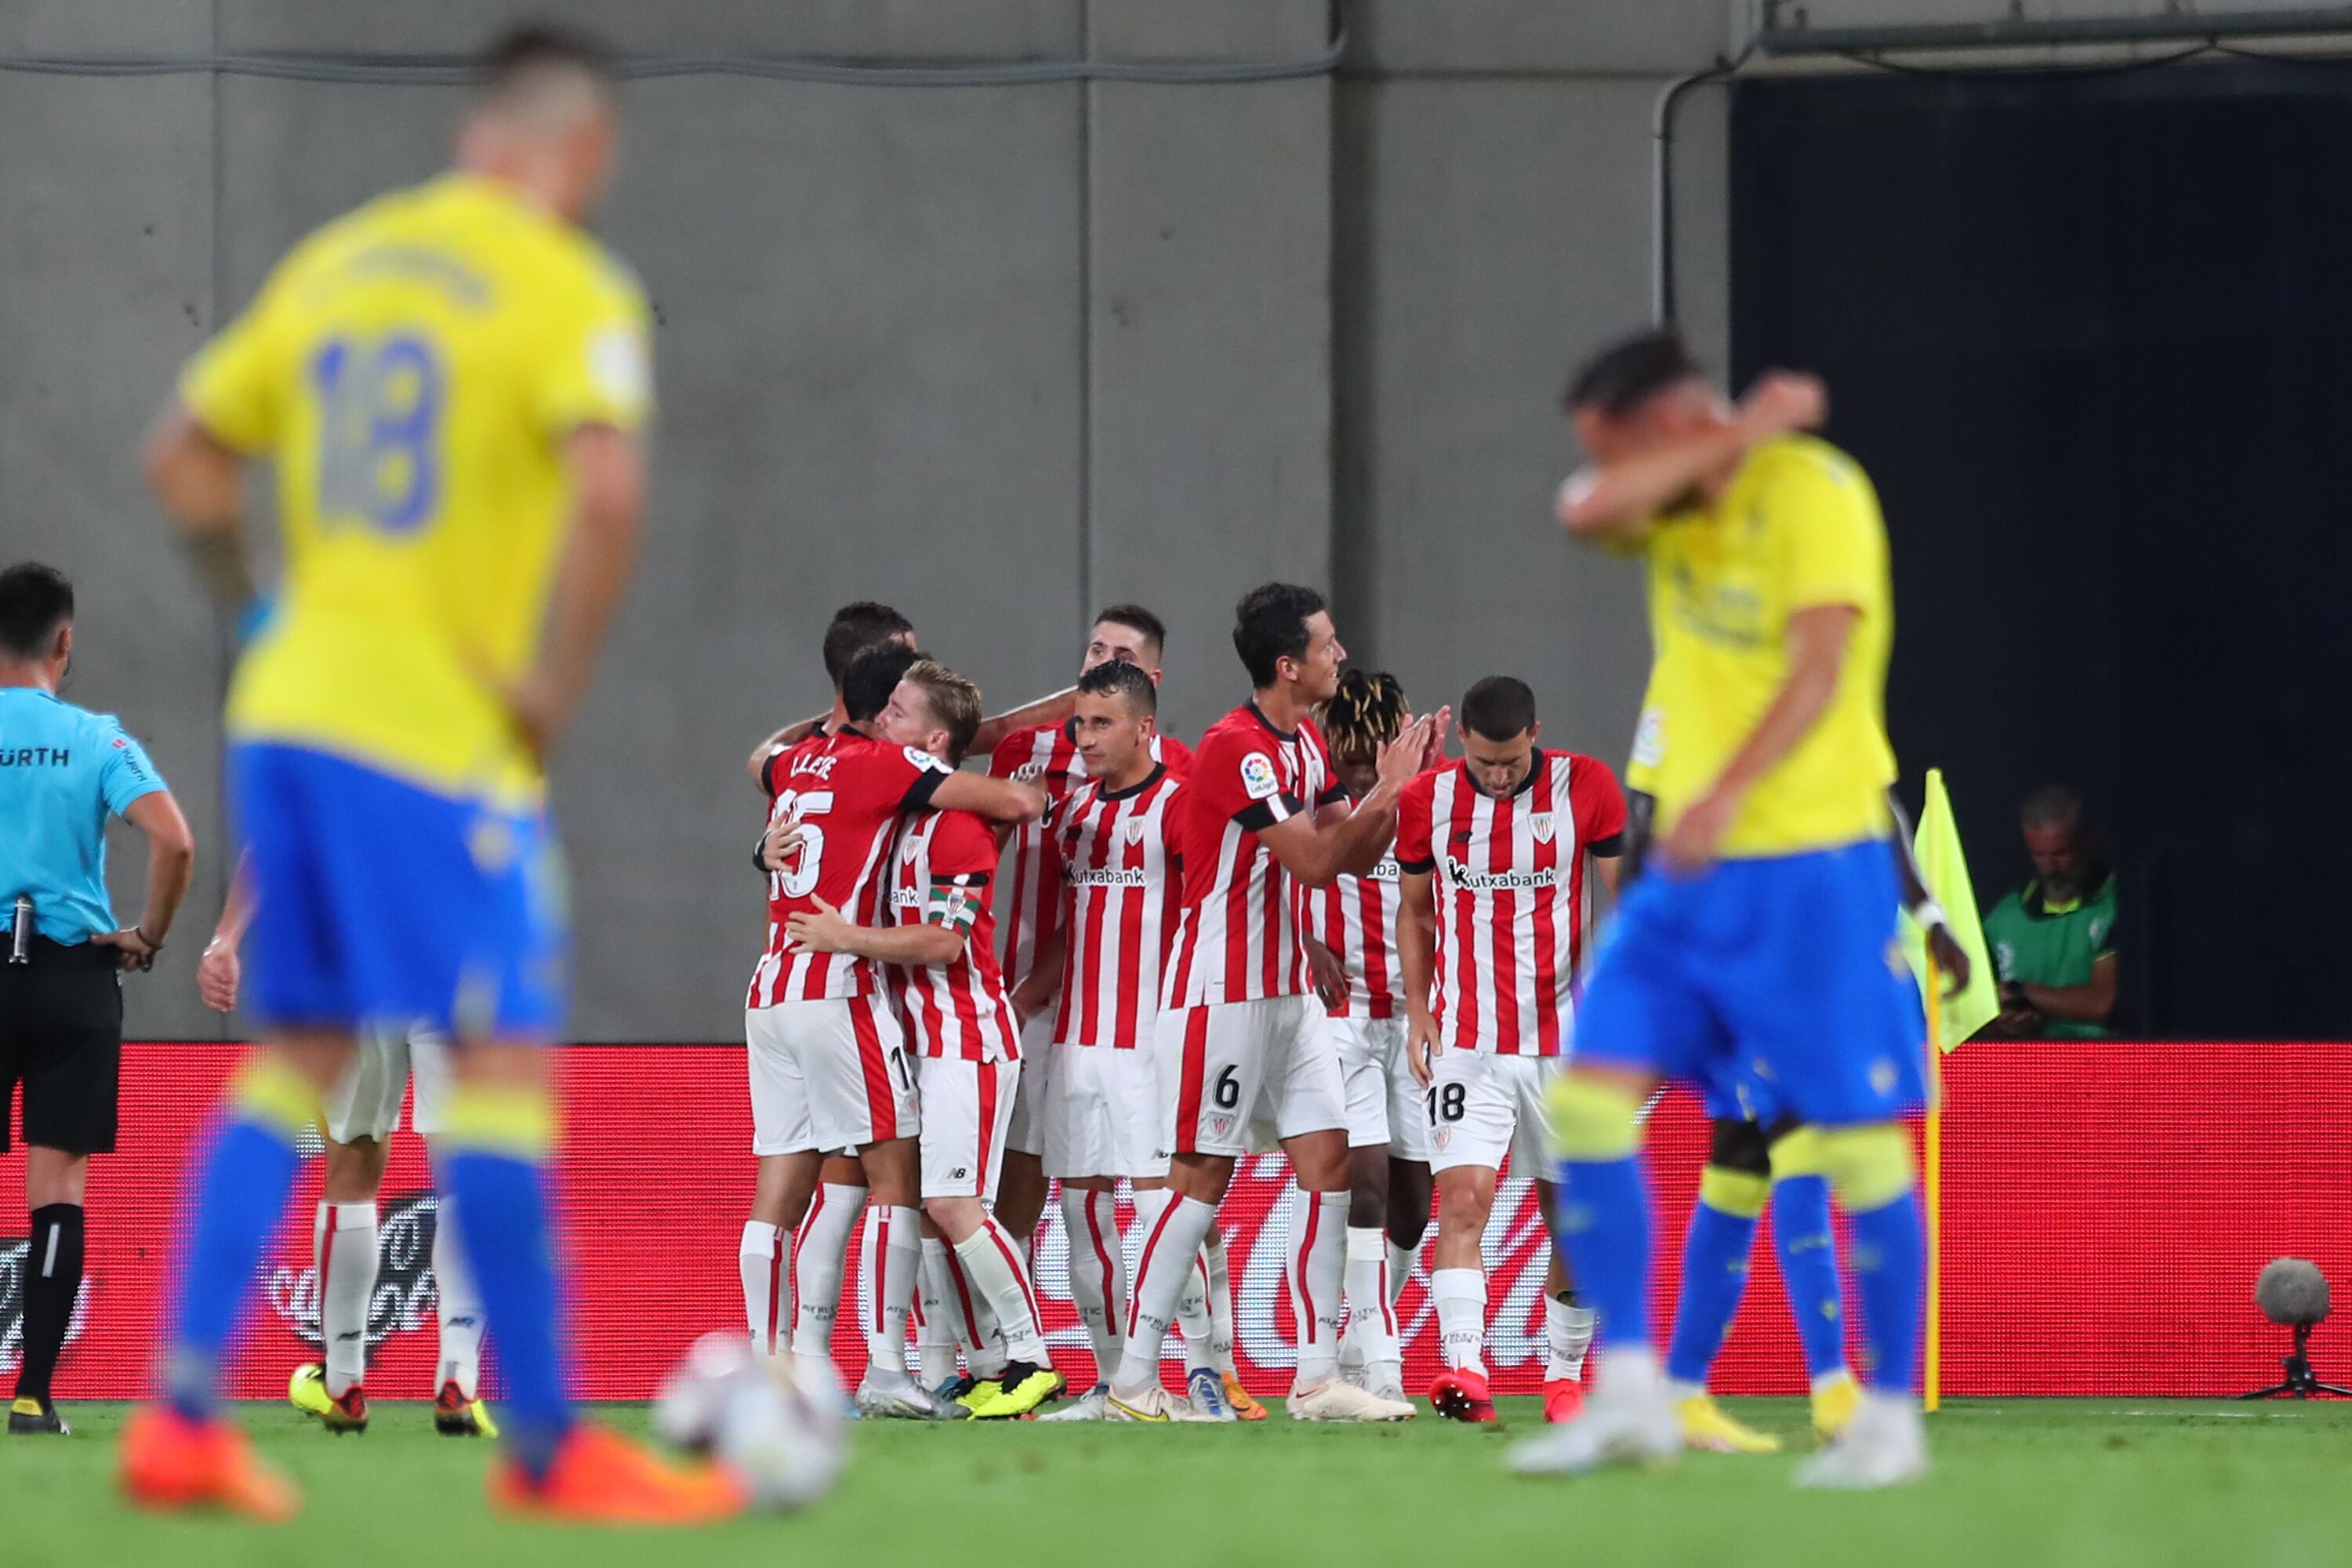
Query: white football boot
x=1340, y=1400
x=1885, y=1445
x=900, y=1398
x=1092, y=1405
x=1155, y=1406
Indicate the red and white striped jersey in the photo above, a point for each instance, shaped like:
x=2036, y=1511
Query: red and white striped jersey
x=1356, y=918
x=1045, y=756
x=945, y=860
x=1244, y=916
x=846, y=791
x=1513, y=905
x=1123, y=888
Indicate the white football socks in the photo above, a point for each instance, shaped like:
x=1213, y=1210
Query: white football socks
x=1314, y=1264
x=1220, y=1291
x=457, y=1304
x=343, y=1239
x=1370, y=1324
x=994, y=1265
x=767, y=1285
x=819, y=1256
x=939, y=1328
x=893, y=1250
x=1173, y=1229
x=1097, y=1273
x=1460, y=1295
x=1569, y=1331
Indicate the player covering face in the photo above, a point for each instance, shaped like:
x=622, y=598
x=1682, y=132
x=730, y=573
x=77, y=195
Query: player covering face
x=1756, y=960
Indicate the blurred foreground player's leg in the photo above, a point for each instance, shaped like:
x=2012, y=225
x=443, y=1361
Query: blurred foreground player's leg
x=442, y=457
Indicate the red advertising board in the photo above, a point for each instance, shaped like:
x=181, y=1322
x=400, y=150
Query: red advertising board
x=2107, y=1207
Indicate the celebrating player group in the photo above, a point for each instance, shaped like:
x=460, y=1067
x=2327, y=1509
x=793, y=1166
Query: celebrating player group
x=1363, y=938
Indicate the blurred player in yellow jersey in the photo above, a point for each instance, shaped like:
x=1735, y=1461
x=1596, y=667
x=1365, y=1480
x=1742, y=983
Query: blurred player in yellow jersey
x=450, y=383
x=1757, y=960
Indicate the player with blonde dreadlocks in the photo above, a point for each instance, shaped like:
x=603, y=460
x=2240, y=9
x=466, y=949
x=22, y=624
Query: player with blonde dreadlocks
x=1353, y=949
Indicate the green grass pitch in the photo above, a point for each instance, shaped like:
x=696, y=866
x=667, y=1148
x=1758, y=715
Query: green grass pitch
x=2018, y=1482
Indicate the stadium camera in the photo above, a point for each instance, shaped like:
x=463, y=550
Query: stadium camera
x=2293, y=1292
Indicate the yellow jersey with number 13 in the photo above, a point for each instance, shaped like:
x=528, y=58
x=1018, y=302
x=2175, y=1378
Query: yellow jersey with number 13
x=1798, y=527
x=414, y=368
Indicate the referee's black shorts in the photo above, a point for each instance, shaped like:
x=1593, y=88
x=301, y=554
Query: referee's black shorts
x=61, y=1037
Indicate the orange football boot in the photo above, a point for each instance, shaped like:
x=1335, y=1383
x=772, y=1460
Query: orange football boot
x=601, y=1478
x=1245, y=1407
x=1461, y=1394
x=170, y=1462
x=1563, y=1399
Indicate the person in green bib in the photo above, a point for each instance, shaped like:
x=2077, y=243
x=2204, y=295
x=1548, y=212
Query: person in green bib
x=2054, y=941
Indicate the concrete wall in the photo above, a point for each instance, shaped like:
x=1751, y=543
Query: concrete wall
x=995, y=355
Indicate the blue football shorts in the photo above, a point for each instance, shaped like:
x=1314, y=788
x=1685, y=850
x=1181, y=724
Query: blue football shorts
x=1777, y=988
x=383, y=903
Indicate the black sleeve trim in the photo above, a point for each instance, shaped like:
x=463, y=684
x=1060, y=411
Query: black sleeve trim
x=758, y=853
x=1416, y=868
x=1261, y=814
x=1332, y=794
x=768, y=772
x=1608, y=848
x=918, y=794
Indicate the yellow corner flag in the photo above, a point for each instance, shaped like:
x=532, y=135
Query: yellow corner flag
x=1951, y=1020
x=1937, y=848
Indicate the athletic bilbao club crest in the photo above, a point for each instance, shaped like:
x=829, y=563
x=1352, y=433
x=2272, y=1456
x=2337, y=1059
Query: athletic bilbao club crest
x=1542, y=822
x=1135, y=828
x=1220, y=1126
x=1441, y=1136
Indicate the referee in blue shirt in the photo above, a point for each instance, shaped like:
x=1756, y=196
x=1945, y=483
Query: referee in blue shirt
x=62, y=773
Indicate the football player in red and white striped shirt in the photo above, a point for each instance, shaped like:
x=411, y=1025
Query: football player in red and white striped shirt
x=1498, y=918
x=938, y=944
x=1355, y=946
x=793, y=1269
x=826, y=1057
x=1114, y=838
x=1242, y=1038
x=1047, y=754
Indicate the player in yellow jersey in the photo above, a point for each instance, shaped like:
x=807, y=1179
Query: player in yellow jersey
x=451, y=383
x=1758, y=958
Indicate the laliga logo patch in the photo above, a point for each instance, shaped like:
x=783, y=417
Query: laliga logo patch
x=1257, y=777
x=1542, y=822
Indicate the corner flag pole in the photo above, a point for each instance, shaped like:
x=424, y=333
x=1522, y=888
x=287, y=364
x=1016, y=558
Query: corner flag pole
x=1934, y=1161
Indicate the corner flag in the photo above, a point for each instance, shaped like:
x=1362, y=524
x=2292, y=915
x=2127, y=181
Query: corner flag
x=1937, y=848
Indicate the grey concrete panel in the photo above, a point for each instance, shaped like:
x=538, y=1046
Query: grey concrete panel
x=882, y=28
x=1502, y=234
x=1210, y=410
x=868, y=354
x=1206, y=29
x=106, y=27
x=1664, y=37
x=106, y=207
x=1914, y=13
